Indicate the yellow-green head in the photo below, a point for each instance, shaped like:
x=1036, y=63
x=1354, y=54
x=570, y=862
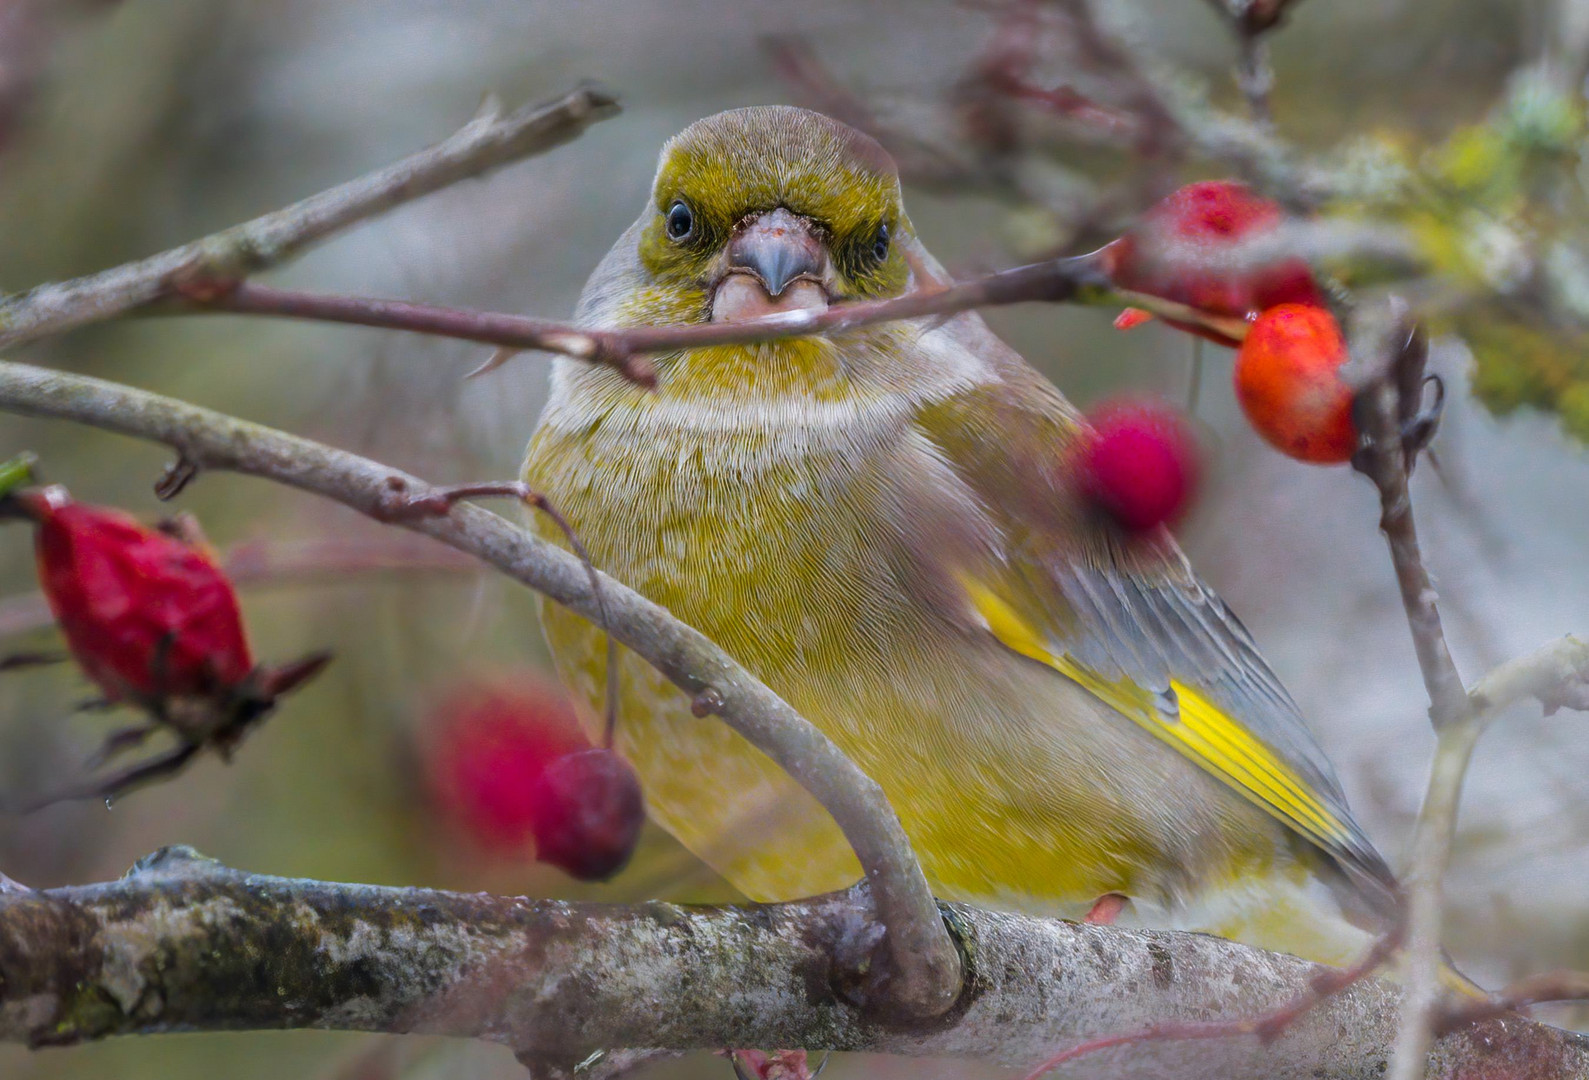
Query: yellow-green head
x=777, y=197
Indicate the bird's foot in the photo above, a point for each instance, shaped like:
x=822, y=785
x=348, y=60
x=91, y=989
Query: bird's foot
x=774, y=1065
x=1105, y=910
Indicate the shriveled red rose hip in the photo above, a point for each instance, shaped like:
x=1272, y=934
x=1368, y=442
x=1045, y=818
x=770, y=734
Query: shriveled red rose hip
x=145, y=614
x=154, y=622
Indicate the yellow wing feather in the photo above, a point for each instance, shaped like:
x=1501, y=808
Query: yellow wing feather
x=1195, y=726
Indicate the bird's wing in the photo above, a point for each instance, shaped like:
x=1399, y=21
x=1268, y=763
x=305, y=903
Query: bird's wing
x=1130, y=622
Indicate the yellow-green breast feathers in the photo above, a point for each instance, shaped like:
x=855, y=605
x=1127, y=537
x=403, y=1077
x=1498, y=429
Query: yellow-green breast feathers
x=879, y=527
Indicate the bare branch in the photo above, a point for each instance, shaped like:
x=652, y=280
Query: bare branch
x=1079, y=279
x=1431, y=852
x=1389, y=372
x=1557, y=676
x=920, y=161
x=182, y=943
x=1547, y=986
x=1053, y=281
x=1388, y=368
x=487, y=141
x=919, y=971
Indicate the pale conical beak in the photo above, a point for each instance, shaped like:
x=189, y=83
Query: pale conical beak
x=777, y=248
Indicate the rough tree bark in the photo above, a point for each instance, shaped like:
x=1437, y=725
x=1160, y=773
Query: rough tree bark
x=182, y=943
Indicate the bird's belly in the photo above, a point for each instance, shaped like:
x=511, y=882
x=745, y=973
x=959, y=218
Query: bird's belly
x=1004, y=774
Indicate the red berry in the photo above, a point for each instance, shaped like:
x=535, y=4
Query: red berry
x=1175, y=251
x=1289, y=384
x=1138, y=464
x=489, y=743
x=590, y=811
x=147, y=616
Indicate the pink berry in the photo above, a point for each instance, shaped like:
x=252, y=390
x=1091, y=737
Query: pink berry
x=589, y=811
x=489, y=743
x=1138, y=464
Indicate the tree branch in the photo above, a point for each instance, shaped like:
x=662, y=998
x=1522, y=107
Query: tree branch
x=182, y=943
x=1388, y=371
x=918, y=972
x=1557, y=676
x=487, y=141
x=1053, y=281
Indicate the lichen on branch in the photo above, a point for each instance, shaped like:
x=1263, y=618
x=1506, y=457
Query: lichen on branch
x=182, y=943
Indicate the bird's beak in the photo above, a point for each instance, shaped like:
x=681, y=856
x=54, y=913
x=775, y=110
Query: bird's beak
x=777, y=248
x=775, y=261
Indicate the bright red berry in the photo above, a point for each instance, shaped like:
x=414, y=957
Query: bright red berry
x=510, y=764
x=148, y=616
x=590, y=811
x=1289, y=384
x=1176, y=250
x=489, y=743
x=1138, y=464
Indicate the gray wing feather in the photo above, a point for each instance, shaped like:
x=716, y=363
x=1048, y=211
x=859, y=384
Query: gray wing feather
x=1151, y=632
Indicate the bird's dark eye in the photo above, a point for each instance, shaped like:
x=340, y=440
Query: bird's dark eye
x=880, y=243
x=681, y=221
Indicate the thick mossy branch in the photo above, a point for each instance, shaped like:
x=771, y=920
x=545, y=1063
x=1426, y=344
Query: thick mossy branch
x=182, y=943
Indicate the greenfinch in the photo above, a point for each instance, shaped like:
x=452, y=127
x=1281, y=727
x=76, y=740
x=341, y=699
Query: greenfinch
x=884, y=527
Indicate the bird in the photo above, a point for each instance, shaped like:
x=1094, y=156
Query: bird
x=882, y=526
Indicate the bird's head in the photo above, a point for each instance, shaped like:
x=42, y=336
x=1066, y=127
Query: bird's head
x=773, y=208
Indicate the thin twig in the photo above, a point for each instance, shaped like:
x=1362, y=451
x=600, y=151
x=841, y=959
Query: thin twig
x=440, y=501
x=1254, y=77
x=919, y=974
x=1053, y=281
x=1556, y=675
x=487, y=141
x=1388, y=371
x=1431, y=852
x=1160, y=133
x=1389, y=374
x=920, y=162
x=1268, y=1026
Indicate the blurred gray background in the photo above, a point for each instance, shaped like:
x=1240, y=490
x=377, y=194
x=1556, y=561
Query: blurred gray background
x=131, y=127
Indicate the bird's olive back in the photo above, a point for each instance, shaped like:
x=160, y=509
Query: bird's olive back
x=744, y=161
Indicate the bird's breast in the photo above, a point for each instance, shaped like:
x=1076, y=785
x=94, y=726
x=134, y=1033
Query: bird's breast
x=775, y=537
x=805, y=544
